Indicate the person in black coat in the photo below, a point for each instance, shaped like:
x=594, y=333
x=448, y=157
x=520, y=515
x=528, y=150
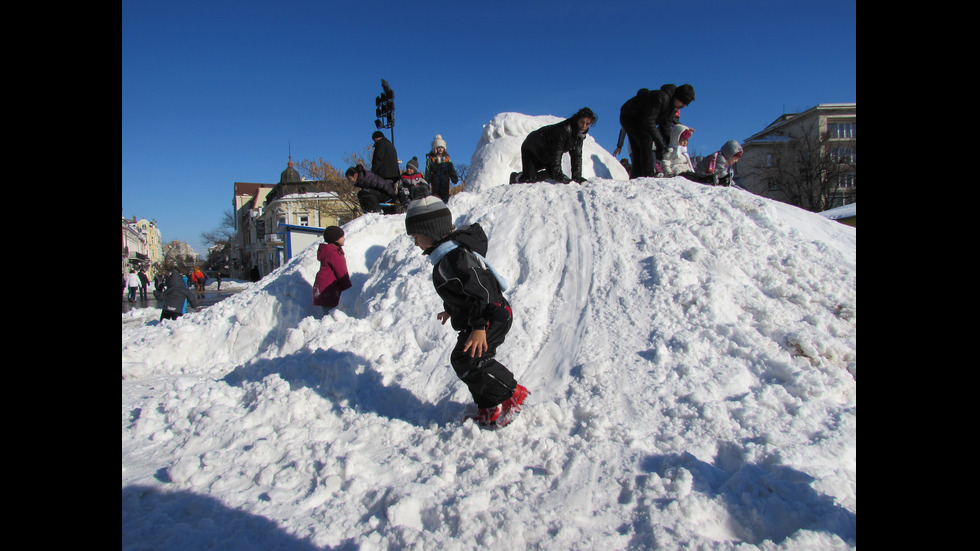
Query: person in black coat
x=543, y=148
x=384, y=162
x=374, y=189
x=647, y=118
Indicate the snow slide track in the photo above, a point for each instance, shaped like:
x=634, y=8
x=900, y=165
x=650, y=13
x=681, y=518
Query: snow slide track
x=559, y=351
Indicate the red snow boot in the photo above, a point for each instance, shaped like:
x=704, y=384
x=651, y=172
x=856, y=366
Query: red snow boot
x=512, y=406
x=486, y=416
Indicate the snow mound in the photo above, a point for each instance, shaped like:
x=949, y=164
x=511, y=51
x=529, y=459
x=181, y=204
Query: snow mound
x=690, y=350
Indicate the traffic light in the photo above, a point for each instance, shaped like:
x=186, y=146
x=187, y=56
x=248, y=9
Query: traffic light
x=385, y=107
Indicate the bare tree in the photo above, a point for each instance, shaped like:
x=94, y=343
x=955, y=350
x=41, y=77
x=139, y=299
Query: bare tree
x=807, y=166
x=176, y=254
x=328, y=179
x=223, y=233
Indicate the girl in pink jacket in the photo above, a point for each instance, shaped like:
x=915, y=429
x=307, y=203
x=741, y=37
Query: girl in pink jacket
x=332, y=279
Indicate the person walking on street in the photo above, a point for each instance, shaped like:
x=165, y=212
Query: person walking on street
x=133, y=282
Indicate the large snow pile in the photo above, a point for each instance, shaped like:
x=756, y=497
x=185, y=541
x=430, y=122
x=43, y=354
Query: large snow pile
x=690, y=350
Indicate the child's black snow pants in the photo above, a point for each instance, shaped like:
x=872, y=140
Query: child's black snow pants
x=489, y=381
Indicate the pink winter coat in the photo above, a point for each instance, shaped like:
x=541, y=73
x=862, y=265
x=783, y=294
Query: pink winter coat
x=332, y=278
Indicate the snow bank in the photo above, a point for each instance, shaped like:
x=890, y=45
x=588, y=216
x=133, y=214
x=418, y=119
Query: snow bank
x=690, y=350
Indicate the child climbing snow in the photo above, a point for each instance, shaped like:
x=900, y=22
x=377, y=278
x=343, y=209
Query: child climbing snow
x=333, y=277
x=472, y=295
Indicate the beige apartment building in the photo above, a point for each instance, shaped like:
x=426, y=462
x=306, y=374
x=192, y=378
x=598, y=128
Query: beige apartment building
x=805, y=159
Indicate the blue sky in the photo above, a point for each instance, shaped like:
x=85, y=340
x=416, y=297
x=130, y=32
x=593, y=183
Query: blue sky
x=217, y=92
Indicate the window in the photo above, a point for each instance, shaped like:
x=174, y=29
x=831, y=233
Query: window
x=304, y=219
x=842, y=131
x=847, y=181
x=843, y=155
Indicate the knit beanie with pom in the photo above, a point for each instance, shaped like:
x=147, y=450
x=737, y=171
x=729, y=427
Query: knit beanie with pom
x=438, y=142
x=428, y=216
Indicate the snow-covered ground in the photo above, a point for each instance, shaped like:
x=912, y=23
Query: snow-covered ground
x=691, y=353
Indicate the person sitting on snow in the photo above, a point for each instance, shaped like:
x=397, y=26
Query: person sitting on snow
x=411, y=184
x=543, y=148
x=677, y=161
x=374, y=189
x=717, y=169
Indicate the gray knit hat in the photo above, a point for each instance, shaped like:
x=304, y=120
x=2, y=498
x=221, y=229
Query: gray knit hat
x=428, y=216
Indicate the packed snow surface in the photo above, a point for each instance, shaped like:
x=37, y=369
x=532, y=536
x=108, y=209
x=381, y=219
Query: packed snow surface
x=690, y=352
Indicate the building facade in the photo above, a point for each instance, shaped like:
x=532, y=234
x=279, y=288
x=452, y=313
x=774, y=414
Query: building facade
x=806, y=159
x=263, y=211
x=141, y=245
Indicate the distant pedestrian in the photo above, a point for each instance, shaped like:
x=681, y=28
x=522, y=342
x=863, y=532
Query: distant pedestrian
x=218, y=277
x=133, y=282
x=333, y=278
x=254, y=275
x=199, y=279
x=144, y=282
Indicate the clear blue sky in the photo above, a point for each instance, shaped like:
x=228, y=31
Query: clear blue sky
x=218, y=92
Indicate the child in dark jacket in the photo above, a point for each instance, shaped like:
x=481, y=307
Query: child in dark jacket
x=439, y=169
x=472, y=295
x=175, y=296
x=332, y=278
x=411, y=184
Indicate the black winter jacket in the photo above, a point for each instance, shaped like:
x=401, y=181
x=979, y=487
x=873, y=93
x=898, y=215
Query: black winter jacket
x=653, y=111
x=369, y=180
x=469, y=291
x=547, y=144
x=175, y=293
x=384, y=162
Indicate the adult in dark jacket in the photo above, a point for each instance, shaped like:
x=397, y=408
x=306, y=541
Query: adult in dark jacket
x=374, y=189
x=384, y=162
x=144, y=282
x=647, y=118
x=543, y=148
x=174, y=296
